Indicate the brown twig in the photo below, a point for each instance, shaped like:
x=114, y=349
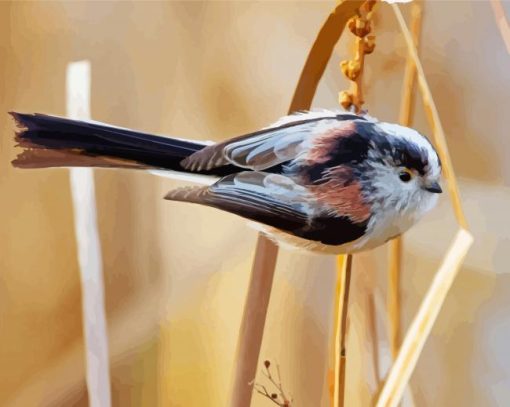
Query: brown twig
x=320, y=53
x=279, y=398
x=262, y=390
x=360, y=26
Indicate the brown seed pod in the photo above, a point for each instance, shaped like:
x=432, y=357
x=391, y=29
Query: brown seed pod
x=351, y=69
x=351, y=24
x=369, y=5
x=360, y=26
x=345, y=99
x=369, y=44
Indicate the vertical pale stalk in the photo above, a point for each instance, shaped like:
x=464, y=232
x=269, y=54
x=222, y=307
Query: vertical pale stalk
x=395, y=249
x=502, y=22
x=343, y=284
x=393, y=301
x=253, y=321
x=423, y=322
x=434, y=122
x=408, y=88
x=88, y=248
x=374, y=335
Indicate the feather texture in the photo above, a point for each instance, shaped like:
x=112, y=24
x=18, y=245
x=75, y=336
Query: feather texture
x=269, y=147
x=276, y=201
x=51, y=141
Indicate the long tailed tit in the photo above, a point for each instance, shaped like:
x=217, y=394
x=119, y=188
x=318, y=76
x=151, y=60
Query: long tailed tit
x=326, y=181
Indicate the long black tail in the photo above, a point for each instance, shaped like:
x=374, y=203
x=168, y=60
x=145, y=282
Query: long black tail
x=50, y=141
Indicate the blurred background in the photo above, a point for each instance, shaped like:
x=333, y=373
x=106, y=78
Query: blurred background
x=176, y=275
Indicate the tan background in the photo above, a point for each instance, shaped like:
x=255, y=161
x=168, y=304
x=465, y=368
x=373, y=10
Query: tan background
x=176, y=275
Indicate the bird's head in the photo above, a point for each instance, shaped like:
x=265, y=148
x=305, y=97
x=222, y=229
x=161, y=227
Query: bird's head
x=401, y=169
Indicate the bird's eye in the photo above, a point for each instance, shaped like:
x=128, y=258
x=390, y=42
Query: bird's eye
x=405, y=175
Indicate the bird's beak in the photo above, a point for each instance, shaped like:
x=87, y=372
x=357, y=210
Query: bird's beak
x=434, y=187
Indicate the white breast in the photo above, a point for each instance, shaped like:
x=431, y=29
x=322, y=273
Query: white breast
x=292, y=242
x=385, y=225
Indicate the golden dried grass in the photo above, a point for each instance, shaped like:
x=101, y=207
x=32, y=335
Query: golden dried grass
x=423, y=322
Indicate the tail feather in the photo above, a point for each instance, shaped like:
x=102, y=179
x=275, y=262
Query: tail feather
x=187, y=194
x=50, y=141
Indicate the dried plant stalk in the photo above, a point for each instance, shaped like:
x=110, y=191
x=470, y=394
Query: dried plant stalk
x=502, y=22
x=421, y=326
x=395, y=250
x=372, y=328
x=393, y=301
x=253, y=321
x=89, y=248
x=343, y=284
x=320, y=53
x=434, y=122
x=408, y=93
x=360, y=26
x=333, y=372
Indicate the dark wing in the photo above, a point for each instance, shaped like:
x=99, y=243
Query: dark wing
x=254, y=196
x=265, y=148
x=274, y=200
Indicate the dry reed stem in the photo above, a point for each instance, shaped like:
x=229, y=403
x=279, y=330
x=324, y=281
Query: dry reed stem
x=408, y=93
x=253, y=321
x=337, y=326
x=360, y=27
x=343, y=284
x=502, y=22
x=394, y=298
x=395, y=249
x=423, y=322
x=320, y=53
x=372, y=328
x=88, y=248
x=434, y=122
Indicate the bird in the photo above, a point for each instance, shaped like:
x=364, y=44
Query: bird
x=326, y=181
